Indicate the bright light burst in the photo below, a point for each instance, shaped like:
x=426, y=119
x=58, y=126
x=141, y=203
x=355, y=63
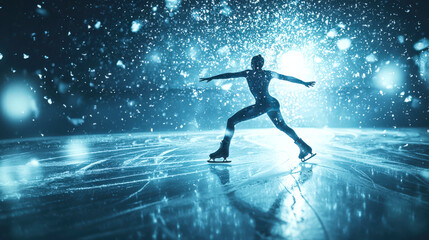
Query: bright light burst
x=153, y=53
x=293, y=63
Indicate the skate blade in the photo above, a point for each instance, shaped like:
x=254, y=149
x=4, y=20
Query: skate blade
x=305, y=159
x=220, y=161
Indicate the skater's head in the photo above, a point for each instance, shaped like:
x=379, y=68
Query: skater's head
x=257, y=62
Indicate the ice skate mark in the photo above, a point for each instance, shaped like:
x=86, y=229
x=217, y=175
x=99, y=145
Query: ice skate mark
x=312, y=209
x=364, y=176
x=374, y=161
x=167, y=232
x=111, y=179
x=259, y=179
x=160, y=156
x=357, y=159
x=90, y=153
x=82, y=170
x=134, y=209
x=330, y=168
x=109, y=234
x=422, y=179
x=135, y=193
x=425, y=156
x=154, y=171
x=14, y=155
x=129, y=161
x=106, y=185
x=410, y=154
x=131, y=182
x=162, y=224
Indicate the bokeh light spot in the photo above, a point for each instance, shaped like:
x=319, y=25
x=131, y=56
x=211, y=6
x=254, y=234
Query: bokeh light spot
x=389, y=77
x=18, y=102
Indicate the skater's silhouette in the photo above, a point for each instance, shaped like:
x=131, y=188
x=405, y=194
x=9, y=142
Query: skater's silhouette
x=258, y=81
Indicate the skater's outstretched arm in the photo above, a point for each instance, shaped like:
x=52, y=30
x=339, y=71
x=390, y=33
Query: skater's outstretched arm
x=292, y=79
x=225, y=76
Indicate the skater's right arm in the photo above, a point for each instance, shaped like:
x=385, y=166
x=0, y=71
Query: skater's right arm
x=292, y=79
x=225, y=76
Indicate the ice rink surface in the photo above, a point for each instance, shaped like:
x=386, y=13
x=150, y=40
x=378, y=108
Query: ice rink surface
x=364, y=183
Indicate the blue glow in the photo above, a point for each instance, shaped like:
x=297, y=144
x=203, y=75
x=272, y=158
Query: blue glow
x=97, y=25
x=172, y=4
x=421, y=44
x=293, y=63
x=422, y=62
x=388, y=77
x=120, y=64
x=344, y=44
x=136, y=26
x=77, y=152
x=18, y=102
x=34, y=162
x=18, y=174
x=371, y=58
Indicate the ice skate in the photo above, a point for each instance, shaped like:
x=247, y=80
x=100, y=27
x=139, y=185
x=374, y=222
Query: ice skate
x=222, y=152
x=305, y=150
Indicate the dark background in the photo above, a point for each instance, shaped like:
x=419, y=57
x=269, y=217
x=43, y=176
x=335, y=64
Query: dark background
x=87, y=72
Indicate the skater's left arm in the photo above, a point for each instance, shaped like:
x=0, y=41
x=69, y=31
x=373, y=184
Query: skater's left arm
x=225, y=76
x=292, y=79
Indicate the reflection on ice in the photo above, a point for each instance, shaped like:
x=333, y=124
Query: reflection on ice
x=362, y=184
x=77, y=151
x=14, y=177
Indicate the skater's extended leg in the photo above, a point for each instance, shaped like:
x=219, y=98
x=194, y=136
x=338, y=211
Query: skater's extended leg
x=244, y=114
x=278, y=121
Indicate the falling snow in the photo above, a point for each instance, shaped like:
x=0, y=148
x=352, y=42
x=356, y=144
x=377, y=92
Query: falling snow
x=344, y=43
x=371, y=58
x=136, y=25
x=97, y=25
x=421, y=44
x=130, y=71
x=153, y=54
x=120, y=64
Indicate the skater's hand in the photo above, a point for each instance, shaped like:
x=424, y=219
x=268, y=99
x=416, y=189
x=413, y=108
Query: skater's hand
x=309, y=84
x=206, y=79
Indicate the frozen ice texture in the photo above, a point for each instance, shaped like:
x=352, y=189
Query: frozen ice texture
x=363, y=184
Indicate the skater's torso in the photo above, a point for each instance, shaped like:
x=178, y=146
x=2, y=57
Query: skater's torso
x=258, y=82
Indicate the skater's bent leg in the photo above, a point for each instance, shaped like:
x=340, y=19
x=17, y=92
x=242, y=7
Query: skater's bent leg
x=278, y=121
x=242, y=115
